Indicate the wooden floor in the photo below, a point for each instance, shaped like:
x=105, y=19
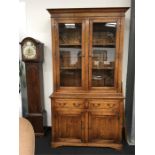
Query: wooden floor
x=43, y=148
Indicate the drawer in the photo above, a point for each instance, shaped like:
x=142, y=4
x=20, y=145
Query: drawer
x=104, y=104
x=69, y=103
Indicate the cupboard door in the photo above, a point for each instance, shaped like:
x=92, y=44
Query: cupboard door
x=104, y=121
x=70, y=53
x=103, y=53
x=103, y=127
x=68, y=125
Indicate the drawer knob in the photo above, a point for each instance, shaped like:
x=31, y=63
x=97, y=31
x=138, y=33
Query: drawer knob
x=96, y=105
x=76, y=104
x=61, y=104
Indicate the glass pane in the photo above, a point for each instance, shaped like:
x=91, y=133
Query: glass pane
x=103, y=54
x=70, y=54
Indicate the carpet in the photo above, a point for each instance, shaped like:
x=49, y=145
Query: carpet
x=43, y=147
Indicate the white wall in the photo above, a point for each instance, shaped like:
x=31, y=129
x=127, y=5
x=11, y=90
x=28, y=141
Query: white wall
x=22, y=32
x=38, y=26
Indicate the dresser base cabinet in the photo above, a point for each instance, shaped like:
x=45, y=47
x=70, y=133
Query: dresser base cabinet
x=87, y=122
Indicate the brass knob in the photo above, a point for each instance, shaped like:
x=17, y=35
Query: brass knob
x=76, y=104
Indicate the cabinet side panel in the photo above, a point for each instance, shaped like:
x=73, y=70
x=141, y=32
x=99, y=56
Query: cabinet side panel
x=53, y=52
x=121, y=45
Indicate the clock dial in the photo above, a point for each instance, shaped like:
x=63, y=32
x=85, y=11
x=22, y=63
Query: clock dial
x=29, y=50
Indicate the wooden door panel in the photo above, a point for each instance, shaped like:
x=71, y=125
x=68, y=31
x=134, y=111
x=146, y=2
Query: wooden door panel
x=69, y=54
x=103, y=127
x=104, y=62
x=69, y=125
x=34, y=87
x=104, y=120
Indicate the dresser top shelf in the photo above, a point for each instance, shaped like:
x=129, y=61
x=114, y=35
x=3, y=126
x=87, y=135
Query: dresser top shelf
x=60, y=12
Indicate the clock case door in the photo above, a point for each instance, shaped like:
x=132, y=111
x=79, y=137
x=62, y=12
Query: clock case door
x=39, y=50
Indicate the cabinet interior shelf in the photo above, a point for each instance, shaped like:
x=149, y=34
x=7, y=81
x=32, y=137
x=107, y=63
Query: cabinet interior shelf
x=79, y=45
x=105, y=68
x=70, y=68
x=101, y=45
x=70, y=45
x=74, y=68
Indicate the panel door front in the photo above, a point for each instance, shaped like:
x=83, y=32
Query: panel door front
x=104, y=121
x=70, y=54
x=103, y=128
x=103, y=54
x=68, y=125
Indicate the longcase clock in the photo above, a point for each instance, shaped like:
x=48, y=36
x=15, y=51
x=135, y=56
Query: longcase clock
x=32, y=55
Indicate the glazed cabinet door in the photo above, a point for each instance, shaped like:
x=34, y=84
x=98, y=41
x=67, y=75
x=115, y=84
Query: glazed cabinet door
x=69, y=54
x=104, y=54
x=68, y=121
x=104, y=122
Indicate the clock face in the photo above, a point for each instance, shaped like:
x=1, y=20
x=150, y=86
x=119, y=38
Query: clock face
x=29, y=50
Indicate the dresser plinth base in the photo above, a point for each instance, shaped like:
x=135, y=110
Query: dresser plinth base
x=117, y=146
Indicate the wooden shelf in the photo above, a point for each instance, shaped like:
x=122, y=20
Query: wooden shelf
x=105, y=68
x=70, y=45
x=97, y=68
x=68, y=68
x=101, y=45
x=79, y=46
